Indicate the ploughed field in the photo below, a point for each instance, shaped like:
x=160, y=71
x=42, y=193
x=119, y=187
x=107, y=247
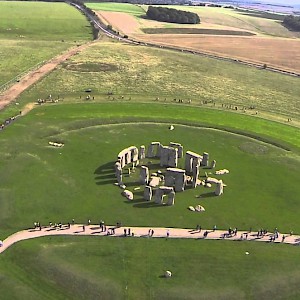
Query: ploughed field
x=222, y=31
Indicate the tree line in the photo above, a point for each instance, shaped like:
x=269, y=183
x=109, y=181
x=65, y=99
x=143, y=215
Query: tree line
x=292, y=22
x=172, y=15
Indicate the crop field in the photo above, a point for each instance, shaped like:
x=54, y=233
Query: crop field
x=27, y=39
x=113, y=95
x=221, y=31
x=252, y=49
x=136, y=73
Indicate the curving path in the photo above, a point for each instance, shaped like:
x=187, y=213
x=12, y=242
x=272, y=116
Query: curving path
x=159, y=232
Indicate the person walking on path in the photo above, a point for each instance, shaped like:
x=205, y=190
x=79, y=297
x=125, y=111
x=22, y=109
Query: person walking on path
x=168, y=233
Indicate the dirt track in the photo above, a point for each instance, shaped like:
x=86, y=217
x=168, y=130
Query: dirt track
x=15, y=90
x=143, y=232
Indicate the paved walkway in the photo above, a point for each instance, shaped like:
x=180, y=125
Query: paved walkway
x=94, y=230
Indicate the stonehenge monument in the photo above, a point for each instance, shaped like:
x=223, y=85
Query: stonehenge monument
x=165, y=184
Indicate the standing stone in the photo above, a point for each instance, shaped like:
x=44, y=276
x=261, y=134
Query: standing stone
x=154, y=150
x=191, y=159
x=195, y=175
x=213, y=164
x=180, y=182
x=180, y=151
x=159, y=196
x=171, y=198
x=205, y=159
x=134, y=154
x=173, y=157
x=142, y=153
x=144, y=175
x=164, y=156
x=148, y=193
x=179, y=148
x=118, y=172
x=219, y=188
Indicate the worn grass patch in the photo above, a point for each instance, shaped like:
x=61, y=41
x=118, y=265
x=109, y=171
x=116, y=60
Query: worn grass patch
x=90, y=67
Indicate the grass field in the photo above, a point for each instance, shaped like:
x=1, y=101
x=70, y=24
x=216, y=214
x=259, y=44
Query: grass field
x=32, y=32
x=91, y=268
x=117, y=7
x=60, y=179
x=138, y=72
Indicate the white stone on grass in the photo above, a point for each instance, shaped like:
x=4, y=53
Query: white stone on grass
x=168, y=274
x=128, y=194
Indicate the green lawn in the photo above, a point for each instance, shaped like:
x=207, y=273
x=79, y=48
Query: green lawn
x=132, y=9
x=108, y=268
x=42, y=183
x=33, y=32
x=42, y=21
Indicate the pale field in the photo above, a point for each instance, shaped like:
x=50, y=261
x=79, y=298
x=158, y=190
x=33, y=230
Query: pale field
x=277, y=52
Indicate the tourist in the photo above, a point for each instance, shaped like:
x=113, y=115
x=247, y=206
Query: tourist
x=168, y=233
x=283, y=238
x=83, y=228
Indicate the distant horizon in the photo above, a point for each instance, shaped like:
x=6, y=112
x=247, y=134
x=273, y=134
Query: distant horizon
x=282, y=2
